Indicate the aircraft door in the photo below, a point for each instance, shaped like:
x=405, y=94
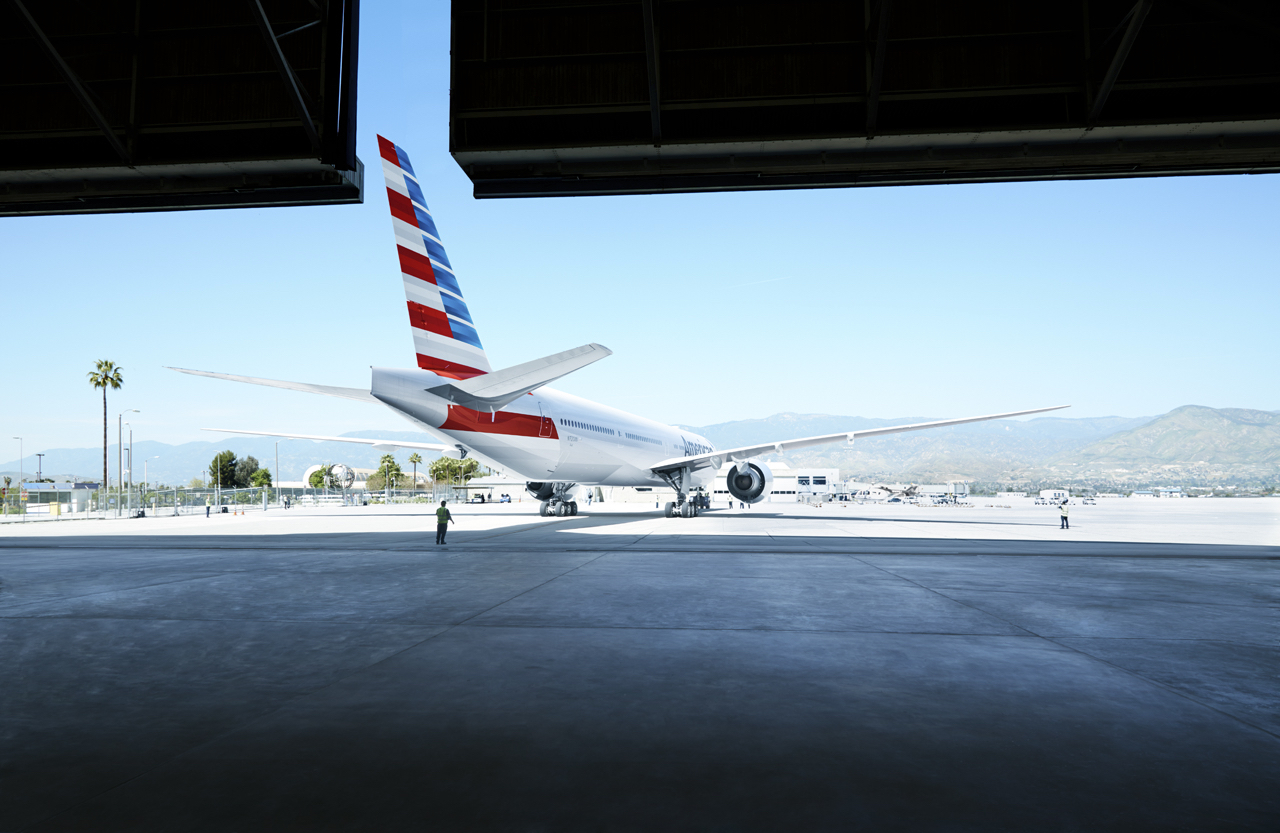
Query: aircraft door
x=544, y=430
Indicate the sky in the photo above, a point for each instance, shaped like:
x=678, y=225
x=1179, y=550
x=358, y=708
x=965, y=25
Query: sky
x=1123, y=297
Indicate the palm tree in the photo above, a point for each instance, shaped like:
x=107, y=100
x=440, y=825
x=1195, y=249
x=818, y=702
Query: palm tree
x=415, y=458
x=105, y=375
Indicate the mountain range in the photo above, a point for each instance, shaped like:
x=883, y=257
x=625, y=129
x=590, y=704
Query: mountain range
x=1191, y=444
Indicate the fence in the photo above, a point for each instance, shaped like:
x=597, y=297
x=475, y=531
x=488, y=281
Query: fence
x=52, y=504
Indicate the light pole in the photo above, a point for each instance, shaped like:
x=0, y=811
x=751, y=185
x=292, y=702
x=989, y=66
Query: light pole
x=20, y=476
x=39, y=466
x=120, y=453
x=277, y=476
x=130, y=469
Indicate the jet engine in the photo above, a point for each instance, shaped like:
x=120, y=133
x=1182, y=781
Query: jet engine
x=751, y=486
x=541, y=491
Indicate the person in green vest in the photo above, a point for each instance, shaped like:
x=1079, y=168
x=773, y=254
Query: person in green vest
x=1063, y=510
x=443, y=519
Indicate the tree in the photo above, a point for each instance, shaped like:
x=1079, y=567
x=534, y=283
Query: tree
x=222, y=470
x=196, y=483
x=387, y=468
x=244, y=472
x=316, y=480
x=415, y=458
x=261, y=478
x=105, y=375
x=446, y=469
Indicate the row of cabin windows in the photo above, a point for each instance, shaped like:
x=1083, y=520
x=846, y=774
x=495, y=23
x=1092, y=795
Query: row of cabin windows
x=573, y=423
x=586, y=426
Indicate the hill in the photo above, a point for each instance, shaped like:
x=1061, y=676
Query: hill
x=1192, y=436
x=985, y=450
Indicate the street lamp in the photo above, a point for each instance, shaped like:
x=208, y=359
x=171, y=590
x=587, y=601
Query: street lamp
x=120, y=453
x=39, y=466
x=277, y=474
x=145, y=479
x=130, y=469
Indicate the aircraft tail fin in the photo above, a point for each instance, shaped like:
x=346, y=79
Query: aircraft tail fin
x=444, y=336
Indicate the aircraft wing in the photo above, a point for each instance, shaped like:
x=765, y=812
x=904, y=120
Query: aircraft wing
x=377, y=445
x=326, y=390
x=730, y=455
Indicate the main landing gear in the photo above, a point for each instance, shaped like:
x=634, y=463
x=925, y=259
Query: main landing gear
x=683, y=509
x=560, y=503
x=560, y=508
x=685, y=505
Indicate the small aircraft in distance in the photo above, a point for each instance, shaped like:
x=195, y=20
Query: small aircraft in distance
x=508, y=419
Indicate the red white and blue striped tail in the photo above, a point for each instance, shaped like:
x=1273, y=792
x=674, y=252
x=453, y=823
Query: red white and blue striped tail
x=444, y=335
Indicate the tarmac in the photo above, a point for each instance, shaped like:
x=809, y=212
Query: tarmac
x=779, y=668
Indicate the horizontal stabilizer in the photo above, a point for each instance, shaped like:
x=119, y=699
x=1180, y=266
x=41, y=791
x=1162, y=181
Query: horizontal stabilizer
x=494, y=390
x=376, y=445
x=358, y=394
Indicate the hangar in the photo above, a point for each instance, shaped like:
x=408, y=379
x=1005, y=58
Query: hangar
x=138, y=106
x=648, y=96
x=127, y=105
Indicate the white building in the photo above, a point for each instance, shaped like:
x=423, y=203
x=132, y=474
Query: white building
x=955, y=489
x=1054, y=494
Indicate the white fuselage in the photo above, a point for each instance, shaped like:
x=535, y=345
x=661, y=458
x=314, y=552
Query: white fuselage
x=546, y=435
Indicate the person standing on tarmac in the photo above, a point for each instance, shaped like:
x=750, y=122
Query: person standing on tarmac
x=443, y=519
x=1063, y=510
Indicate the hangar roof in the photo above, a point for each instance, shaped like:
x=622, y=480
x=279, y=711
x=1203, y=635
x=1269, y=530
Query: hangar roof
x=140, y=105
x=575, y=97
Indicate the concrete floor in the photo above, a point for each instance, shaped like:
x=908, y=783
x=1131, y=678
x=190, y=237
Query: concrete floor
x=878, y=668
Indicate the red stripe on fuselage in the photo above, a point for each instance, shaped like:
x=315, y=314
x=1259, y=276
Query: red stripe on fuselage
x=388, y=151
x=431, y=320
x=401, y=207
x=502, y=422
x=412, y=263
x=453, y=370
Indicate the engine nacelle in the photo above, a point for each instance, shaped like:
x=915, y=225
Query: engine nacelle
x=751, y=486
x=541, y=491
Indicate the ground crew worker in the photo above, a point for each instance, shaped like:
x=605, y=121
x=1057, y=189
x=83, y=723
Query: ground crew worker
x=1063, y=510
x=442, y=521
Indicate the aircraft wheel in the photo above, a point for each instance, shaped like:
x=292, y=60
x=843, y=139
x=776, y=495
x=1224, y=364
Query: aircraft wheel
x=573, y=507
x=684, y=510
x=670, y=511
x=544, y=509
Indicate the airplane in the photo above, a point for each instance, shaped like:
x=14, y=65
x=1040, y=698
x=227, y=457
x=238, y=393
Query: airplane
x=508, y=419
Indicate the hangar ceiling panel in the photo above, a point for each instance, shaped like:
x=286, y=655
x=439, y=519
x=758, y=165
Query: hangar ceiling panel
x=577, y=97
x=142, y=105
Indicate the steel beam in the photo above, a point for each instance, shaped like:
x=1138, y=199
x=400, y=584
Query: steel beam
x=350, y=66
x=292, y=88
x=82, y=93
x=877, y=66
x=1136, y=16
x=651, y=61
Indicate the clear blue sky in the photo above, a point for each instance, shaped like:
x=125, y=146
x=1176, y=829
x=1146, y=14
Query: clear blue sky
x=1126, y=297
